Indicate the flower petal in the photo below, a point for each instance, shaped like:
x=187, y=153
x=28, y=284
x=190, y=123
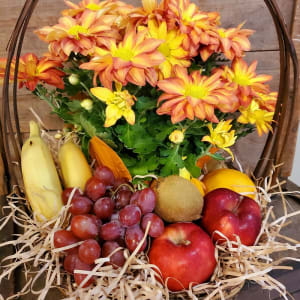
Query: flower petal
x=103, y=94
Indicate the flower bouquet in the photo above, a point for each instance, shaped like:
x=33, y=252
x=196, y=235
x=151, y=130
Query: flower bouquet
x=146, y=92
x=163, y=84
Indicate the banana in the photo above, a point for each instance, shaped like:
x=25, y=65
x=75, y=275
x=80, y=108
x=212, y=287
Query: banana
x=41, y=180
x=74, y=166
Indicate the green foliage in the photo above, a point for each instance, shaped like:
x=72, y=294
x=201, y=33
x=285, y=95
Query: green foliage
x=145, y=146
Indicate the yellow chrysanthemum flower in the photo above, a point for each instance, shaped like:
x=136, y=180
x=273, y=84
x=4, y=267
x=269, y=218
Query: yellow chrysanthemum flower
x=171, y=48
x=253, y=114
x=177, y=136
x=221, y=136
x=118, y=104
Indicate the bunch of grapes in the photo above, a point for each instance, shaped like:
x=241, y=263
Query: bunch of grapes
x=109, y=215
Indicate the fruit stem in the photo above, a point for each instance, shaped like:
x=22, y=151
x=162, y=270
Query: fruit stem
x=237, y=205
x=120, y=186
x=34, y=129
x=186, y=242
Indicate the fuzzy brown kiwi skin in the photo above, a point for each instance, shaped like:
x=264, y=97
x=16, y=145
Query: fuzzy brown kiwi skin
x=178, y=200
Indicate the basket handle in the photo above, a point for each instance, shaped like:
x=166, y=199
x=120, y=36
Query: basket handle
x=284, y=118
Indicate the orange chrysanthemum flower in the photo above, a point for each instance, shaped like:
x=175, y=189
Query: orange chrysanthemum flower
x=32, y=71
x=78, y=35
x=232, y=42
x=267, y=101
x=195, y=95
x=115, y=8
x=197, y=25
x=150, y=10
x=132, y=60
x=245, y=80
x=94, y=5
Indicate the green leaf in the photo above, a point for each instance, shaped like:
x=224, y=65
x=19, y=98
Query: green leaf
x=145, y=166
x=136, y=138
x=129, y=161
x=172, y=163
x=85, y=141
x=74, y=106
x=145, y=103
x=87, y=125
x=216, y=156
x=190, y=164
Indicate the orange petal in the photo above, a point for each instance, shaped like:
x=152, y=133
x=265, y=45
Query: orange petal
x=121, y=74
x=149, y=45
x=148, y=60
x=151, y=76
x=181, y=73
x=189, y=111
x=136, y=76
x=172, y=86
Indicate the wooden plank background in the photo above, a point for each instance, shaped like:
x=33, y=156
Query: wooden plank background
x=233, y=12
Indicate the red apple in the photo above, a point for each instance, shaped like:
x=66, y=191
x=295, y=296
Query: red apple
x=232, y=214
x=185, y=254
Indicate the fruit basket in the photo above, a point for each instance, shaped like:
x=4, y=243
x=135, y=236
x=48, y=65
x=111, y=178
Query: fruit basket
x=141, y=274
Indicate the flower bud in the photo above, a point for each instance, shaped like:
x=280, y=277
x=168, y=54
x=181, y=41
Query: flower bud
x=176, y=136
x=74, y=79
x=58, y=136
x=87, y=104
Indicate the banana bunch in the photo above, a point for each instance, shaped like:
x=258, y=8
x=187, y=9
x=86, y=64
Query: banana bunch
x=41, y=180
x=74, y=166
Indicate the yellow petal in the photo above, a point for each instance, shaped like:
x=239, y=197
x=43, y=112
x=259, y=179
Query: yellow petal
x=103, y=94
x=207, y=139
x=162, y=31
x=129, y=116
x=149, y=5
x=112, y=115
x=229, y=151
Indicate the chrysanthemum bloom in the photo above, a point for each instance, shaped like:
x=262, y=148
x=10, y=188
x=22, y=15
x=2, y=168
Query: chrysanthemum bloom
x=221, y=136
x=118, y=103
x=107, y=6
x=245, y=80
x=132, y=60
x=115, y=8
x=151, y=10
x=171, y=48
x=197, y=25
x=177, y=136
x=253, y=114
x=32, y=71
x=195, y=95
x=232, y=42
x=267, y=101
x=78, y=35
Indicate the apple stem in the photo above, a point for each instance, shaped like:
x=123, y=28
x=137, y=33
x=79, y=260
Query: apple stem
x=186, y=242
x=238, y=204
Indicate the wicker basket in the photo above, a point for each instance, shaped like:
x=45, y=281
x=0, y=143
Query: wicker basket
x=10, y=135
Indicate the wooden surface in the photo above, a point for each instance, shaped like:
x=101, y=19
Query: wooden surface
x=254, y=12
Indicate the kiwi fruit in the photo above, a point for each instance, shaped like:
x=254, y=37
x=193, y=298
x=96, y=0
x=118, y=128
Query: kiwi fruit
x=178, y=200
